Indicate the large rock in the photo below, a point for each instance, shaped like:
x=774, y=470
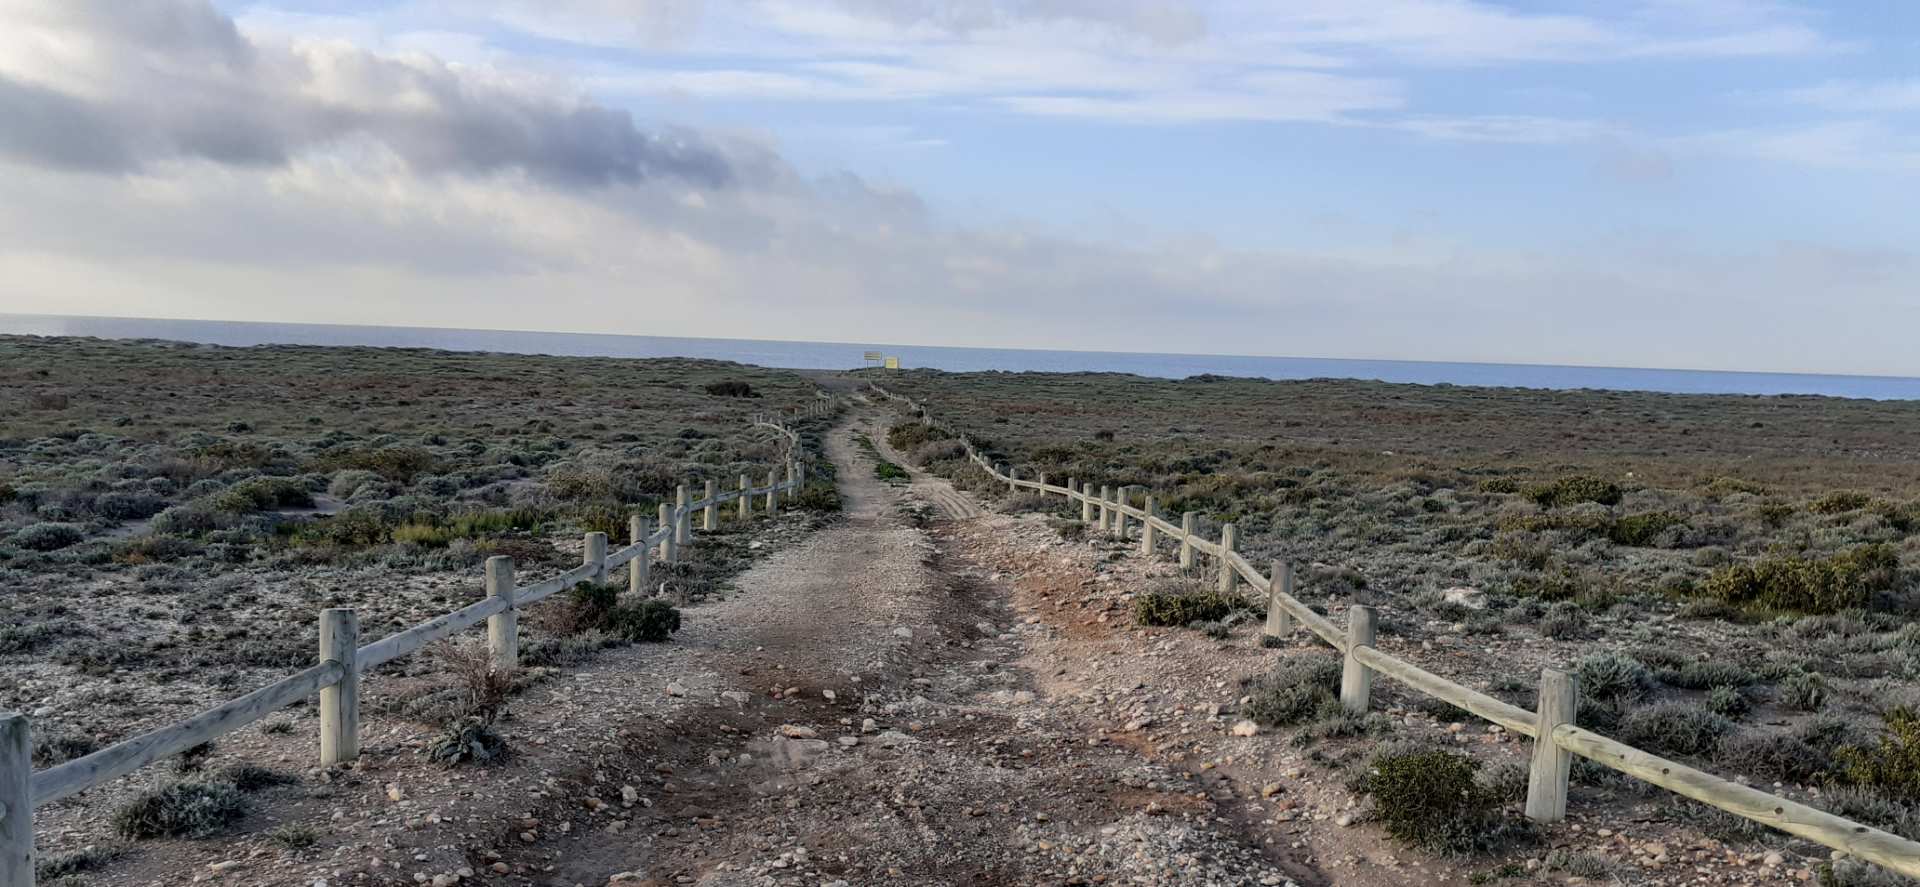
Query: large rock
x=1471, y=598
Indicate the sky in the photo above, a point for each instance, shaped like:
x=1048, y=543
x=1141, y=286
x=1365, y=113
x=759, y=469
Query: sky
x=1717, y=184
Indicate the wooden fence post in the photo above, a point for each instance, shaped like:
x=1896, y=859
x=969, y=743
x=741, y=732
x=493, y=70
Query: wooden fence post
x=711, y=519
x=1228, y=577
x=1356, y=680
x=1279, y=621
x=642, y=563
x=746, y=501
x=16, y=800
x=1186, y=538
x=683, y=523
x=503, y=628
x=1547, y=778
x=773, y=493
x=1121, y=497
x=340, y=701
x=1146, y=530
x=596, y=556
x=1086, y=501
x=669, y=554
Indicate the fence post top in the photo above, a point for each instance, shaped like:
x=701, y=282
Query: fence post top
x=499, y=562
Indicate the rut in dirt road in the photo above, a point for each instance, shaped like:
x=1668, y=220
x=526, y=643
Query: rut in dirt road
x=854, y=716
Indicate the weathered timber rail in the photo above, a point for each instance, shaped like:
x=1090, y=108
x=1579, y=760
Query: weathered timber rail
x=336, y=676
x=1555, y=736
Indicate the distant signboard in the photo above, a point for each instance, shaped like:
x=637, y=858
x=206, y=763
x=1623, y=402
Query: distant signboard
x=893, y=363
x=874, y=355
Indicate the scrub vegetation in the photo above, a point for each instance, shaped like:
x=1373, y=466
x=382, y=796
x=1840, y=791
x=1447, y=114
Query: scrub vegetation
x=1733, y=579
x=176, y=515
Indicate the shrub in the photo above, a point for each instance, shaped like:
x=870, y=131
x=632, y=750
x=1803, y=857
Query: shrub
x=649, y=621
x=183, y=809
x=1808, y=585
x=483, y=687
x=1183, y=606
x=1641, y=530
x=1705, y=675
x=1674, y=728
x=393, y=463
x=75, y=862
x=59, y=748
x=467, y=741
x=1611, y=677
x=1729, y=701
x=1840, y=502
x=1299, y=688
x=47, y=537
x=1803, y=691
x=1431, y=799
x=128, y=506
x=261, y=494
x=731, y=388
x=1575, y=490
x=1892, y=766
x=1770, y=755
x=252, y=777
x=1564, y=620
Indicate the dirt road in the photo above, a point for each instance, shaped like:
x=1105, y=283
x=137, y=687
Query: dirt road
x=870, y=720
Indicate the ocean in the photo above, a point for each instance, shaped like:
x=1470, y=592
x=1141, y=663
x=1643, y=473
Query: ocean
x=844, y=355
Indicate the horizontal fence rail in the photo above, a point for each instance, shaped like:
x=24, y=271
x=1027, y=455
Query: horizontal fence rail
x=335, y=678
x=1552, y=730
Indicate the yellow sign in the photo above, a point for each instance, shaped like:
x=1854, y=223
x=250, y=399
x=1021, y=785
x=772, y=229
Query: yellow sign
x=893, y=363
x=873, y=355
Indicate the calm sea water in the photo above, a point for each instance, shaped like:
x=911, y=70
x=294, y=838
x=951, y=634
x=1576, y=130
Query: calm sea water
x=841, y=355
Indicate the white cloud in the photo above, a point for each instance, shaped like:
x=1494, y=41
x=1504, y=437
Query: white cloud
x=1861, y=96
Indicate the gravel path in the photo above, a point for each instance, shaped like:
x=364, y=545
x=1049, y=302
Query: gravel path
x=859, y=715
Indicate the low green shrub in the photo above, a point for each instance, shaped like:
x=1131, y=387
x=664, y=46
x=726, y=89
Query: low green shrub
x=730, y=388
x=1176, y=608
x=1574, y=490
x=1770, y=755
x=1803, y=691
x=1674, y=728
x=1840, y=502
x=1642, y=530
x=262, y=494
x=1432, y=800
x=649, y=621
x=1564, y=621
x=1728, y=701
x=182, y=810
x=1705, y=675
x=48, y=536
x=469, y=741
x=1795, y=584
x=1892, y=765
x=1299, y=688
x=1611, y=676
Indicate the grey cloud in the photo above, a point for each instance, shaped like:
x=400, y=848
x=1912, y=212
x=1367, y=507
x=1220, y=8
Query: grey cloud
x=176, y=80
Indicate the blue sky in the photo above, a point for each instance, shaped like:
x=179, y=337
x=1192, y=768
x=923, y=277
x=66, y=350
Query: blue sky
x=1700, y=183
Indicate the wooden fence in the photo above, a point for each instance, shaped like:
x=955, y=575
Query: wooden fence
x=341, y=661
x=1552, y=726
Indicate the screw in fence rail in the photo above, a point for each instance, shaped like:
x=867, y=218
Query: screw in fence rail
x=596, y=556
x=1279, y=621
x=682, y=528
x=1547, y=777
x=668, y=551
x=746, y=499
x=1356, y=679
x=503, y=628
x=340, y=700
x=1146, y=529
x=639, y=568
x=1186, y=538
x=711, y=519
x=1229, y=537
x=16, y=800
